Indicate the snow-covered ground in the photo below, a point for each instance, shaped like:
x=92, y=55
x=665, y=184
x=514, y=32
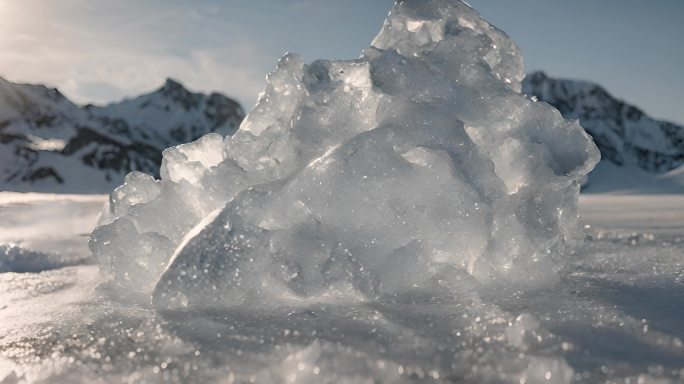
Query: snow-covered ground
x=617, y=315
x=45, y=231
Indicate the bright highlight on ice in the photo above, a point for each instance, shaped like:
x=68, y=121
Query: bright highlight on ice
x=412, y=168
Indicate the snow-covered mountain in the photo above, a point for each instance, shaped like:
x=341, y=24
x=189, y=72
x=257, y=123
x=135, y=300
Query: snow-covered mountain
x=626, y=136
x=47, y=143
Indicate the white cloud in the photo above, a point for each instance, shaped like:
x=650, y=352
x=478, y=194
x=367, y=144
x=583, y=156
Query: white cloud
x=102, y=65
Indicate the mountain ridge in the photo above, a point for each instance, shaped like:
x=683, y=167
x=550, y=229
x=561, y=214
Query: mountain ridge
x=50, y=144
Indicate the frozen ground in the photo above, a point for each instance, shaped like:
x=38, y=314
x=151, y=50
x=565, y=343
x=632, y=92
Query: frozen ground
x=616, y=316
x=45, y=231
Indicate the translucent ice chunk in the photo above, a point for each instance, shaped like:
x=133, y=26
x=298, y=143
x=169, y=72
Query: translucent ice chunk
x=354, y=179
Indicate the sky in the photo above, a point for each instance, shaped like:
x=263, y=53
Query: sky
x=99, y=51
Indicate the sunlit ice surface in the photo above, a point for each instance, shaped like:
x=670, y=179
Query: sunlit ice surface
x=404, y=217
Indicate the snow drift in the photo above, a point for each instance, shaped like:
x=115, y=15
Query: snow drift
x=14, y=258
x=411, y=168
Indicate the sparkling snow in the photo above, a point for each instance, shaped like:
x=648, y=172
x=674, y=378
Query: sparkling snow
x=615, y=316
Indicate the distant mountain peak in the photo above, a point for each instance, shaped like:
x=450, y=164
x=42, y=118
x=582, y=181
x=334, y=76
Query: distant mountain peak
x=172, y=85
x=538, y=75
x=174, y=91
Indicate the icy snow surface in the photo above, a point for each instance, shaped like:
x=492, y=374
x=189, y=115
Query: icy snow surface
x=616, y=316
x=41, y=231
